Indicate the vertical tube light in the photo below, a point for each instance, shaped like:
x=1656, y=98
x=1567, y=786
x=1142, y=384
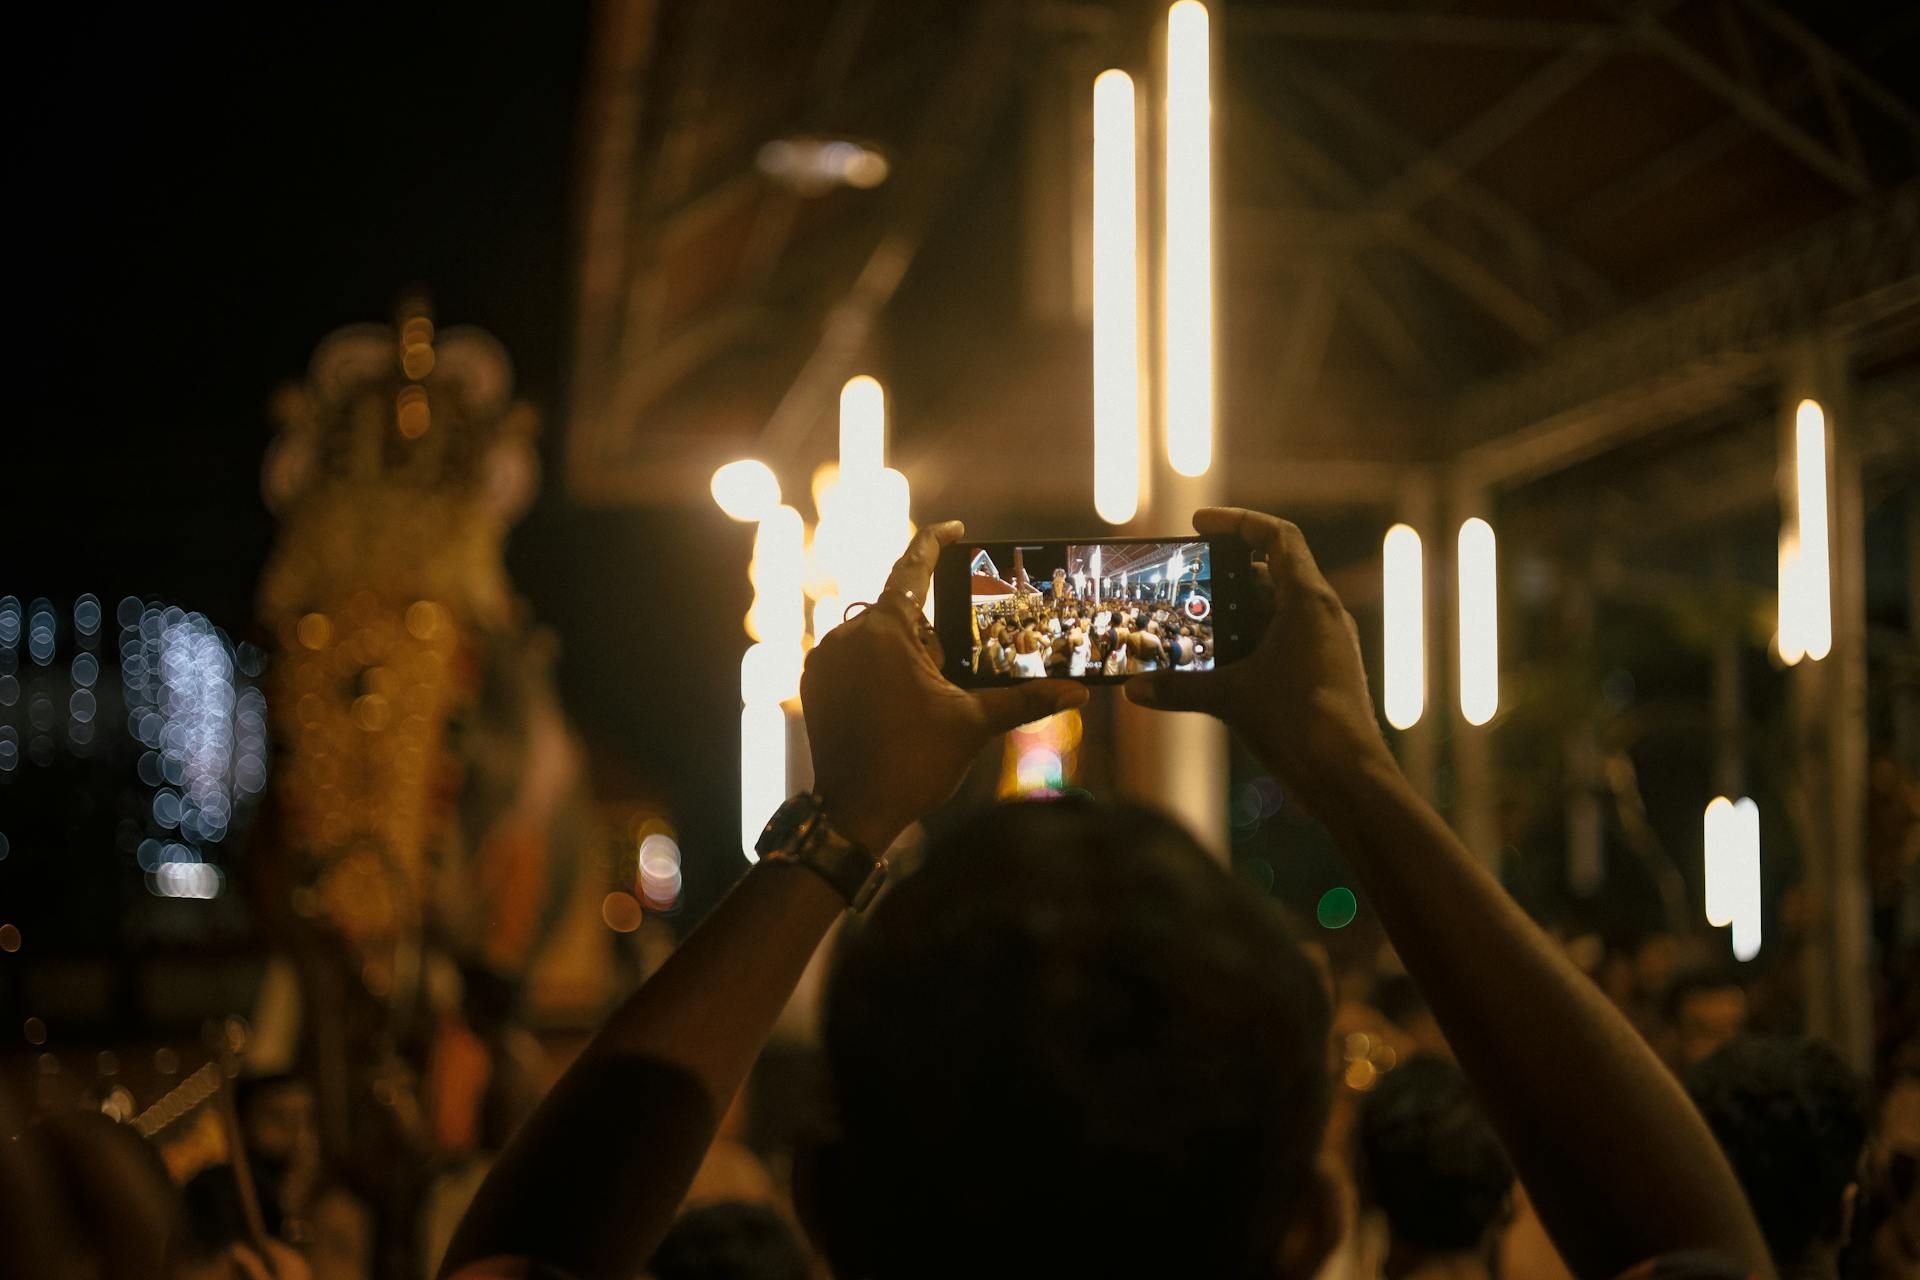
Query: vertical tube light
x=1189, y=284
x=863, y=428
x=1479, y=623
x=1402, y=591
x=1815, y=588
x=779, y=611
x=1745, y=874
x=1718, y=861
x=1116, y=302
x=763, y=769
x=770, y=670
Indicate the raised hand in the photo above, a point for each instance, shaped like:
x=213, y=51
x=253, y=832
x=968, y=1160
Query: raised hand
x=892, y=737
x=1300, y=699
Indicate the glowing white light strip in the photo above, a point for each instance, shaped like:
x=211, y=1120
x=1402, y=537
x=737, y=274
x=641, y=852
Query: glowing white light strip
x=1116, y=302
x=746, y=490
x=864, y=506
x=1718, y=861
x=1745, y=874
x=1815, y=589
x=1189, y=286
x=763, y=769
x=770, y=670
x=1404, y=608
x=1479, y=623
x=863, y=428
x=779, y=612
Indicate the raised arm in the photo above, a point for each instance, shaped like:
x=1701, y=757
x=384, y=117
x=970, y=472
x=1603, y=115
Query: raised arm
x=1618, y=1163
x=591, y=1183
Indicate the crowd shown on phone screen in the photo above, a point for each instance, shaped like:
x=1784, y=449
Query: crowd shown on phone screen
x=1030, y=637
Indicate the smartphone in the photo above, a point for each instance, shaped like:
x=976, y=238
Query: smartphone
x=1098, y=610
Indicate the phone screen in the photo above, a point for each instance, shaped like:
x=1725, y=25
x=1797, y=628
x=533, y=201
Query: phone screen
x=1096, y=609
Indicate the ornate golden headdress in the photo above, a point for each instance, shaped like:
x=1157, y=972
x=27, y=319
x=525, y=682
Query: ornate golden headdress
x=397, y=467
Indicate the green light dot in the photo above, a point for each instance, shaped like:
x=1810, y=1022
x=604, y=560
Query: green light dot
x=1337, y=908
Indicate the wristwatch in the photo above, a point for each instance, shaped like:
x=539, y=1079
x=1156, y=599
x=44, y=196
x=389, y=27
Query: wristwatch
x=800, y=831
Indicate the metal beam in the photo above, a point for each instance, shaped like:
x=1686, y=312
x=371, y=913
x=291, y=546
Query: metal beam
x=1473, y=199
x=1815, y=154
x=1854, y=271
x=957, y=115
x=1391, y=337
x=1599, y=211
x=1513, y=111
x=832, y=62
x=1726, y=476
x=1303, y=342
x=1471, y=277
x=1820, y=52
x=1466, y=273
x=610, y=106
x=1411, y=27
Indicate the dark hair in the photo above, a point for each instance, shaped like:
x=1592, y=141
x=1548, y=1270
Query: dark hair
x=1792, y=1118
x=1072, y=1043
x=1428, y=1158
x=730, y=1240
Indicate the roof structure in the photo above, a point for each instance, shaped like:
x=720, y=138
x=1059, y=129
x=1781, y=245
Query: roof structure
x=1504, y=239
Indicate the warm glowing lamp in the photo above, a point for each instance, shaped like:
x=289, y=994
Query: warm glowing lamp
x=746, y=490
x=1814, y=588
x=1745, y=874
x=1718, y=861
x=1404, y=608
x=1116, y=303
x=763, y=769
x=863, y=427
x=1479, y=623
x=1189, y=231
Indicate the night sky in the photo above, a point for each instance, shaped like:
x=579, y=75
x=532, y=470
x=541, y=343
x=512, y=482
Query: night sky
x=209, y=192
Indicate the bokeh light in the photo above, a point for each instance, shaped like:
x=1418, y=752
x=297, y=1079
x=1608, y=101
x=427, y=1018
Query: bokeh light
x=620, y=912
x=746, y=490
x=658, y=872
x=1337, y=908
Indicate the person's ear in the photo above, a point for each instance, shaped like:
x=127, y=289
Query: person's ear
x=1319, y=1223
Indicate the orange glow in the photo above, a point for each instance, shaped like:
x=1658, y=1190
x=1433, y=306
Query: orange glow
x=314, y=631
x=620, y=911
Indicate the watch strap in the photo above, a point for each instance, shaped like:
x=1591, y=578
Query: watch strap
x=801, y=831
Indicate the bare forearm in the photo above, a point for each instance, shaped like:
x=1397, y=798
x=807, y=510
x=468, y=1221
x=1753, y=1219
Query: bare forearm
x=1618, y=1163
x=593, y=1180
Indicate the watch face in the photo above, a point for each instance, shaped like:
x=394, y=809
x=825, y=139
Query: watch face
x=786, y=824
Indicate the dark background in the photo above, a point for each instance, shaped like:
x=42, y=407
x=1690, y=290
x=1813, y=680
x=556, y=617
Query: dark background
x=204, y=193
x=201, y=193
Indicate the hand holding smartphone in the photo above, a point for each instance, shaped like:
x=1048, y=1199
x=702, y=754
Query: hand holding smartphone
x=1098, y=610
